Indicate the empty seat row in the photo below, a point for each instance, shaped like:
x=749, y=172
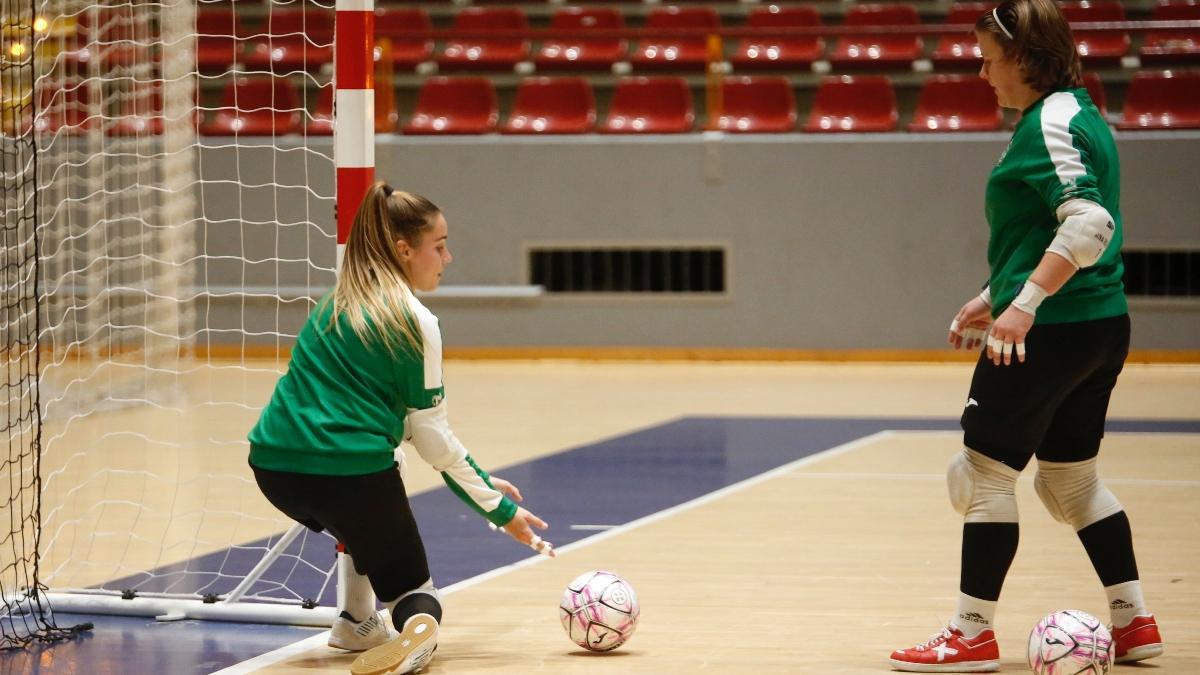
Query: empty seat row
x=298, y=39
x=662, y=104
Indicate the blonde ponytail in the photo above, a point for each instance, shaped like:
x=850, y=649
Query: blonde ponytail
x=372, y=290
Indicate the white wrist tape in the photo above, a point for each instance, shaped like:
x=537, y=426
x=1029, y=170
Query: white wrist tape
x=1084, y=233
x=986, y=295
x=1029, y=298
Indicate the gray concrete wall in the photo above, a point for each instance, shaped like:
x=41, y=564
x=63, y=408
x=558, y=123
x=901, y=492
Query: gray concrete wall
x=835, y=242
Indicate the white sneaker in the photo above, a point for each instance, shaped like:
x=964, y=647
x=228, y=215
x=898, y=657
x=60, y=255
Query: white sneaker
x=359, y=636
x=411, y=651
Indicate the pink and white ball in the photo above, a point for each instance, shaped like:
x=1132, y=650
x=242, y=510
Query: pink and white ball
x=599, y=611
x=1070, y=642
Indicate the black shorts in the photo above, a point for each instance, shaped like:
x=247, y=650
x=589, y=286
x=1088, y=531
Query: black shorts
x=369, y=514
x=1053, y=405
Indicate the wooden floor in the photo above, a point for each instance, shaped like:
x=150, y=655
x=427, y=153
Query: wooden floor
x=823, y=566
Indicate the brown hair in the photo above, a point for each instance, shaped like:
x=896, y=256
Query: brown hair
x=371, y=288
x=1036, y=35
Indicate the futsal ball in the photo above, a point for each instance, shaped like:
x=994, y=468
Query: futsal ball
x=599, y=611
x=1070, y=642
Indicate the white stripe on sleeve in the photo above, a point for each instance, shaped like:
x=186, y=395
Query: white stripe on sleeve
x=1057, y=112
x=470, y=482
x=431, y=342
x=430, y=433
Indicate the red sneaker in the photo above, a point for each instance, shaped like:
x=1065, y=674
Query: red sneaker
x=1138, y=641
x=950, y=652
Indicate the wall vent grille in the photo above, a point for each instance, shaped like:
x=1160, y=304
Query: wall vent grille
x=635, y=270
x=1160, y=273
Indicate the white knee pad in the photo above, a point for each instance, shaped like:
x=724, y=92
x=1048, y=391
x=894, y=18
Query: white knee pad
x=982, y=489
x=1073, y=493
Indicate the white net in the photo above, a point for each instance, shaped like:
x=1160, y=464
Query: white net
x=186, y=230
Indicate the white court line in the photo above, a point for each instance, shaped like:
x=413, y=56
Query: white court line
x=1025, y=478
x=271, y=658
x=958, y=432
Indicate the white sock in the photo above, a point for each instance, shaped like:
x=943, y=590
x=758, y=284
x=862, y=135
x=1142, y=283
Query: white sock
x=355, y=595
x=974, y=615
x=1125, y=601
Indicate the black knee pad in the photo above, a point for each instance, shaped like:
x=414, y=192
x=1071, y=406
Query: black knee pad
x=420, y=601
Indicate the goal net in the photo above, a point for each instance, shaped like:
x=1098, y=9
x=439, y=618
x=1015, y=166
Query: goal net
x=169, y=222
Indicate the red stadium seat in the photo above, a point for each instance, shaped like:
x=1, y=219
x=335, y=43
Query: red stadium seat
x=1091, y=81
x=763, y=104
x=141, y=113
x=582, y=54
x=1173, y=46
x=960, y=52
x=682, y=53
x=291, y=40
x=778, y=52
x=217, y=40
x=861, y=103
x=650, y=105
x=65, y=109
x=257, y=106
x=1162, y=100
x=407, y=53
x=455, y=105
x=1098, y=49
x=552, y=105
x=486, y=54
x=321, y=123
x=878, y=51
x=116, y=35
x=956, y=103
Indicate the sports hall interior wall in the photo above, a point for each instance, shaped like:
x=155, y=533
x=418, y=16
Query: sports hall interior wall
x=864, y=242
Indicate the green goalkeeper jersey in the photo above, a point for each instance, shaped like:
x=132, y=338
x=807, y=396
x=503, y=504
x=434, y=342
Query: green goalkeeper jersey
x=340, y=408
x=1061, y=149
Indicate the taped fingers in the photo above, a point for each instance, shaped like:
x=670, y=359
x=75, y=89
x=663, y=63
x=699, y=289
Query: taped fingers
x=542, y=546
x=1003, y=349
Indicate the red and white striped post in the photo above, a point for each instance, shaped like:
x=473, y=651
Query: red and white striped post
x=353, y=110
x=353, y=147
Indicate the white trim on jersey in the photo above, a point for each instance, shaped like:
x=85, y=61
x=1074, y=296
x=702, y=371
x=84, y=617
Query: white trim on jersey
x=441, y=449
x=470, y=482
x=1057, y=112
x=429, y=431
x=431, y=343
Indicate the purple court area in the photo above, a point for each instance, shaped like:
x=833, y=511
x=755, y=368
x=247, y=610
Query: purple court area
x=610, y=482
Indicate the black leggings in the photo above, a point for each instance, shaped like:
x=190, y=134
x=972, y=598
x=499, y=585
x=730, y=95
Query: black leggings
x=369, y=514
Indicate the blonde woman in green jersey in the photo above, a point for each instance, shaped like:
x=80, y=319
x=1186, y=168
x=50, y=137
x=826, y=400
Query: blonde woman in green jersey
x=365, y=374
x=1054, y=320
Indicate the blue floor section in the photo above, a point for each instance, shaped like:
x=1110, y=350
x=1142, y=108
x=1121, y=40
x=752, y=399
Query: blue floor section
x=605, y=483
x=119, y=645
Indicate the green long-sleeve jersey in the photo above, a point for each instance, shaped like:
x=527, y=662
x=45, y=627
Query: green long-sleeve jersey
x=1061, y=149
x=343, y=405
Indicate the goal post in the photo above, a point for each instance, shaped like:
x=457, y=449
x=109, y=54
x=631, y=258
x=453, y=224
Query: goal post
x=173, y=266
